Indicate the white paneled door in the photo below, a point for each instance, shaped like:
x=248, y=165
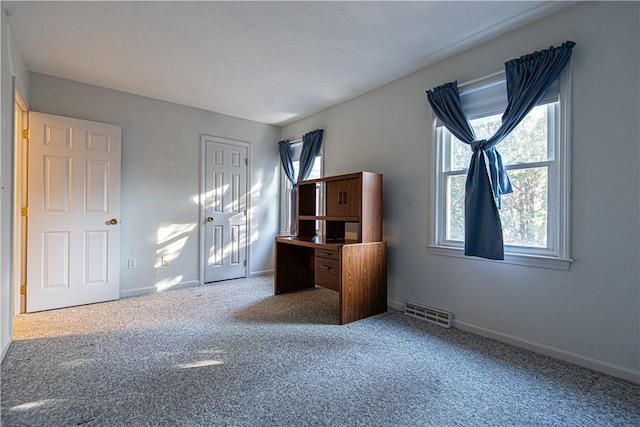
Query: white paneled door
x=225, y=209
x=73, y=245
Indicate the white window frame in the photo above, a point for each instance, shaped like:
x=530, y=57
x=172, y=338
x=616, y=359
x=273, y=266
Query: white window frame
x=559, y=192
x=286, y=186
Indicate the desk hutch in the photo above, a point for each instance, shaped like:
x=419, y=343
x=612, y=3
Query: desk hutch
x=350, y=258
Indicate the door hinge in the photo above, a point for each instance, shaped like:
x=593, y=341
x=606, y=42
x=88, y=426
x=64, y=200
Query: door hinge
x=23, y=289
x=244, y=263
x=246, y=160
x=25, y=133
x=24, y=211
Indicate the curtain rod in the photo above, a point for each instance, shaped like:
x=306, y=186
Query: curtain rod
x=295, y=141
x=488, y=76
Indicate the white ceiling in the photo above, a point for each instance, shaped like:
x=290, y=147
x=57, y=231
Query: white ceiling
x=272, y=62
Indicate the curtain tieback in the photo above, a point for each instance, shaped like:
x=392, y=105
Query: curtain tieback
x=477, y=144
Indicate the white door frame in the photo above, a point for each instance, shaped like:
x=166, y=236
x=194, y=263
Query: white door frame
x=21, y=122
x=202, y=196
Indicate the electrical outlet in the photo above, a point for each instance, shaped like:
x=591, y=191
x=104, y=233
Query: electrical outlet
x=165, y=261
x=132, y=263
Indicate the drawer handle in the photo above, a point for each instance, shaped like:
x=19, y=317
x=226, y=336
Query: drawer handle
x=325, y=267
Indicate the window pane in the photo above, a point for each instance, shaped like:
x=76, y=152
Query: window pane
x=460, y=154
x=455, y=207
x=315, y=171
x=526, y=144
x=485, y=127
x=524, y=212
x=314, y=174
x=286, y=188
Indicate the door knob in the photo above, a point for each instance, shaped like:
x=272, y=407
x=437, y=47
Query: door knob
x=113, y=221
x=209, y=219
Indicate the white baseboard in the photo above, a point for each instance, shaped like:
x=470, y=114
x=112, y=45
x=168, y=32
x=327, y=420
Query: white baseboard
x=261, y=273
x=395, y=304
x=576, y=359
x=152, y=289
x=5, y=347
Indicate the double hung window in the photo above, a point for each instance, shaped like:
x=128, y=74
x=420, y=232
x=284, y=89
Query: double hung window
x=534, y=217
x=286, y=186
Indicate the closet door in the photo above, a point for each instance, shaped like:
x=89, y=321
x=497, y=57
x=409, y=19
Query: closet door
x=73, y=247
x=225, y=209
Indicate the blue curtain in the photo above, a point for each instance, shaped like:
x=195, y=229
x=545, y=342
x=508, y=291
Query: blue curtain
x=286, y=157
x=311, y=144
x=528, y=78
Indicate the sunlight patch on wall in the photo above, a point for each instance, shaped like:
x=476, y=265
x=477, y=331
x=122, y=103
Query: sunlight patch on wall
x=167, y=233
x=252, y=213
x=170, y=251
x=168, y=283
x=171, y=239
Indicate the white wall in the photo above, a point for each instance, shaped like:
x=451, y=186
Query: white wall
x=588, y=315
x=161, y=175
x=11, y=65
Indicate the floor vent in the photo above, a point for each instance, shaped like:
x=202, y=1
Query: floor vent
x=433, y=315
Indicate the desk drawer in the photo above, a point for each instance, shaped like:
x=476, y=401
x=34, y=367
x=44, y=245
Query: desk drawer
x=327, y=273
x=328, y=253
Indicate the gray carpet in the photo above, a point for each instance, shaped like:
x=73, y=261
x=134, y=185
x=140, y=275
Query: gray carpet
x=232, y=354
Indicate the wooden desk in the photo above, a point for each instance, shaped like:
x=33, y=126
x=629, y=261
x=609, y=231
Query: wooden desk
x=358, y=271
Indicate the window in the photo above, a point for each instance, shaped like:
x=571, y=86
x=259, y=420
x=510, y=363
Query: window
x=286, y=187
x=536, y=155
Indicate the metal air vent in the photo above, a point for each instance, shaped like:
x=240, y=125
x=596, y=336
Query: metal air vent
x=430, y=314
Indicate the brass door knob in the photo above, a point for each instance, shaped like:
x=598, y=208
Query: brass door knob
x=113, y=221
x=209, y=219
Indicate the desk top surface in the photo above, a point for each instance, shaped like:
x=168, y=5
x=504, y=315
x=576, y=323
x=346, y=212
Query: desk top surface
x=320, y=242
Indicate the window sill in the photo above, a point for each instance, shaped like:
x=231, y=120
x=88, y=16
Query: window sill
x=509, y=258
